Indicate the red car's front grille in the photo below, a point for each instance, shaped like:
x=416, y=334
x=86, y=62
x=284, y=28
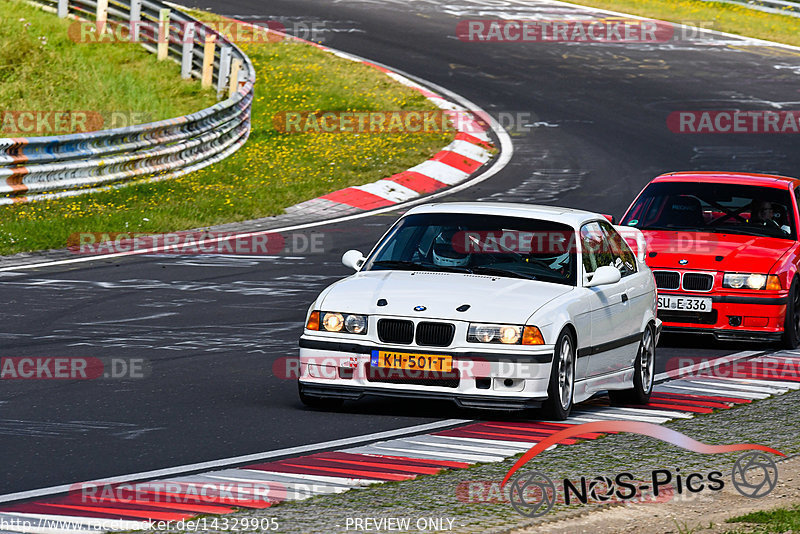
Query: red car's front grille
x=685, y=281
x=667, y=279
x=698, y=282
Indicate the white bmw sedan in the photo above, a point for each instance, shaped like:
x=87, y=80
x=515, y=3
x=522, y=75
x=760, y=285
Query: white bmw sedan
x=505, y=306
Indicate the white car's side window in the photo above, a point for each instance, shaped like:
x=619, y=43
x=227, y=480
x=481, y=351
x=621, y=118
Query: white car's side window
x=624, y=259
x=594, y=245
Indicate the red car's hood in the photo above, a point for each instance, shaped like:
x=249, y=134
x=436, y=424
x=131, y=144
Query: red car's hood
x=738, y=253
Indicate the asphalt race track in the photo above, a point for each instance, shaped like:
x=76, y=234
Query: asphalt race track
x=210, y=329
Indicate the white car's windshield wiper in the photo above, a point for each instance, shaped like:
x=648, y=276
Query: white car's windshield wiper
x=400, y=264
x=414, y=266
x=482, y=269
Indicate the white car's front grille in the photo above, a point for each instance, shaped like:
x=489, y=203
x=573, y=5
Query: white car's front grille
x=431, y=334
x=428, y=333
x=396, y=331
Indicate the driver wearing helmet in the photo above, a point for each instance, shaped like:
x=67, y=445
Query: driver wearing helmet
x=445, y=254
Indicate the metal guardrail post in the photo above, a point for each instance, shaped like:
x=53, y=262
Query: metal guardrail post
x=188, y=50
x=163, y=34
x=224, y=69
x=233, y=85
x=63, y=9
x=136, y=18
x=102, y=16
x=208, y=60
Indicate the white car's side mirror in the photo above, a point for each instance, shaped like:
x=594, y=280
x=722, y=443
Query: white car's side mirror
x=606, y=274
x=353, y=259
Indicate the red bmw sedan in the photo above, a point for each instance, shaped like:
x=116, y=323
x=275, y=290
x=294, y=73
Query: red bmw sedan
x=723, y=248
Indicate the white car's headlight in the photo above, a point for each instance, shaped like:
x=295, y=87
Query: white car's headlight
x=505, y=334
x=346, y=323
x=751, y=281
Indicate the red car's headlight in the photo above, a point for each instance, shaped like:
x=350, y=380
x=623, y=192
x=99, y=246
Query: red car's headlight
x=751, y=281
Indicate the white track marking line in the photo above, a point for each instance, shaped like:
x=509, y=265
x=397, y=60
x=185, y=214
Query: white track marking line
x=783, y=356
x=121, y=524
x=389, y=190
x=583, y=419
x=757, y=381
x=701, y=366
x=608, y=416
x=441, y=449
x=469, y=150
x=778, y=359
x=741, y=387
x=441, y=172
x=324, y=479
x=207, y=479
x=517, y=445
x=59, y=526
x=290, y=451
x=431, y=455
x=294, y=486
x=464, y=447
x=662, y=413
x=250, y=476
x=719, y=392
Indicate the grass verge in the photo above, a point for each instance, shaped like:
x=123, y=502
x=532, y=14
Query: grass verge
x=272, y=171
x=43, y=69
x=772, y=521
x=718, y=16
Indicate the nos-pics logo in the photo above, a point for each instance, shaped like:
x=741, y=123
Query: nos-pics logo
x=533, y=494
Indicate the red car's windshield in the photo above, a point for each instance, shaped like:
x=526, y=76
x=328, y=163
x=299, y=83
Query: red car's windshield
x=714, y=207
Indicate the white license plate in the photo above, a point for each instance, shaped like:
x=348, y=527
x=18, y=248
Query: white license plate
x=695, y=304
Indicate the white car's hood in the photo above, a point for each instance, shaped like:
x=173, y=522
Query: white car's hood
x=490, y=299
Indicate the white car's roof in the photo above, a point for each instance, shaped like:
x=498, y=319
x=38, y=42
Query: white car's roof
x=568, y=216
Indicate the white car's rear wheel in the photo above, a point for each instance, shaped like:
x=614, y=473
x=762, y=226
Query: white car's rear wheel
x=562, y=379
x=643, y=373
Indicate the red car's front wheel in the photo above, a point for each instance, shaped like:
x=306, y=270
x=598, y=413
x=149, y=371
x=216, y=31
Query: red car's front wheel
x=791, y=325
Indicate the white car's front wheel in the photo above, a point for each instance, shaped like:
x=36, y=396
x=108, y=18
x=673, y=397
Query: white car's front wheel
x=561, y=387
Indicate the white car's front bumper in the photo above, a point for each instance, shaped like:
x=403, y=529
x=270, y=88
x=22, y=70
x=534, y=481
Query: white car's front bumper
x=482, y=377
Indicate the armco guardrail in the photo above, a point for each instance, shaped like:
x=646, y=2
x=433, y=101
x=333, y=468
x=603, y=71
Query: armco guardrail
x=36, y=168
x=782, y=7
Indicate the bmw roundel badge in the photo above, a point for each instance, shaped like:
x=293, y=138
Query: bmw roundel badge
x=683, y=262
x=420, y=308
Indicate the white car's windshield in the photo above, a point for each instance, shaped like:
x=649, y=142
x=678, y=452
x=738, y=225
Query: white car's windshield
x=494, y=245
